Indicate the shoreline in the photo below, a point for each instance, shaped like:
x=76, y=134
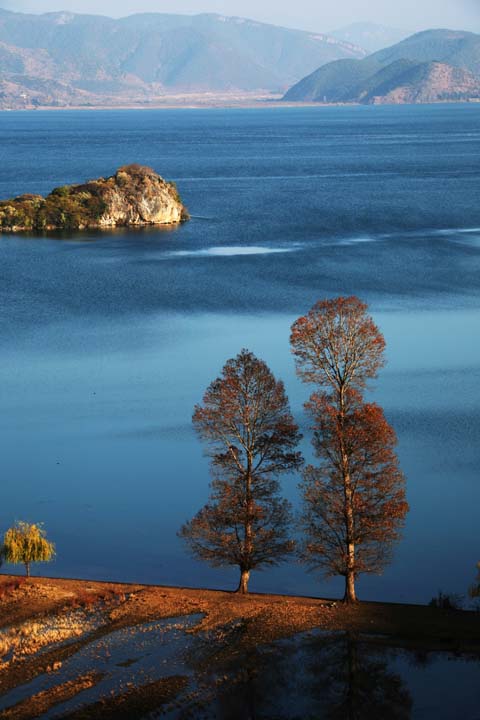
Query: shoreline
x=46, y=624
x=9, y=577
x=447, y=629
x=247, y=105
x=223, y=103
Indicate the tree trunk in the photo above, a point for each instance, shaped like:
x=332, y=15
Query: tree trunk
x=248, y=544
x=27, y=569
x=243, y=584
x=350, y=594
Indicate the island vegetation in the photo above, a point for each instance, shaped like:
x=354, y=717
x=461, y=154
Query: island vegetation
x=135, y=195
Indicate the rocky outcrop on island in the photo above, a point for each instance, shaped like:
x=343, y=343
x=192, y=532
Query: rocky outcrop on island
x=430, y=66
x=135, y=195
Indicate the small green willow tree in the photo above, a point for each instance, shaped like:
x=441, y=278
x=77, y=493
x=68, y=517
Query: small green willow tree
x=27, y=543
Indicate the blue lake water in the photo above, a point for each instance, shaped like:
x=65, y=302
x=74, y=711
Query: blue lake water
x=108, y=340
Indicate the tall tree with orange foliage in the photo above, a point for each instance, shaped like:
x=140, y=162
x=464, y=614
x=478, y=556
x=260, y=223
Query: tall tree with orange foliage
x=246, y=421
x=354, y=501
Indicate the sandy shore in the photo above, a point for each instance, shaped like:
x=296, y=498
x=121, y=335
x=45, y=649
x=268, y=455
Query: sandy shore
x=190, y=101
x=45, y=623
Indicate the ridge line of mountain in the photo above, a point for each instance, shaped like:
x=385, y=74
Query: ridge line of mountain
x=63, y=59
x=67, y=59
x=429, y=66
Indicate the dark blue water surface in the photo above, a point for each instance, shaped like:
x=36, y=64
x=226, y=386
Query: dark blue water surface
x=108, y=340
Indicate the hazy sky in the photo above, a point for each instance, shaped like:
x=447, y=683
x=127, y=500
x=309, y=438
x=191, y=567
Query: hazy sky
x=318, y=15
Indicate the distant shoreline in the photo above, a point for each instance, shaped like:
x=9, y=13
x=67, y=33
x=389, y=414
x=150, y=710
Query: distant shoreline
x=184, y=104
x=221, y=102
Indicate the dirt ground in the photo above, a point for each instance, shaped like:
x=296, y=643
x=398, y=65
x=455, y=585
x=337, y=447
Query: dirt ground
x=44, y=622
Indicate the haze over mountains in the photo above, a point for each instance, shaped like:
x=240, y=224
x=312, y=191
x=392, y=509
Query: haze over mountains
x=430, y=66
x=59, y=58
x=370, y=36
x=63, y=59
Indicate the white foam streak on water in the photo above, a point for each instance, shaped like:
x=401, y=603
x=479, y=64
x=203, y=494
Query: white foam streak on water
x=472, y=241
x=231, y=251
x=448, y=233
x=456, y=231
x=462, y=236
x=235, y=250
x=357, y=240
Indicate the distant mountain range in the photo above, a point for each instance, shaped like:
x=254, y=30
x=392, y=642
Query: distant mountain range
x=370, y=36
x=63, y=58
x=430, y=66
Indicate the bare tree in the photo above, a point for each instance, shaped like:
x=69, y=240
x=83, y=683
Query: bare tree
x=251, y=437
x=347, y=499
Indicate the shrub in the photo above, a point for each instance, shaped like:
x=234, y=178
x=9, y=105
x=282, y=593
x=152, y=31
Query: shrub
x=446, y=601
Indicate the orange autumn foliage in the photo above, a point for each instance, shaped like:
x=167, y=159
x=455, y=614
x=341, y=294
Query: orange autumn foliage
x=251, y=438
x=377, y=502
x=354, y=501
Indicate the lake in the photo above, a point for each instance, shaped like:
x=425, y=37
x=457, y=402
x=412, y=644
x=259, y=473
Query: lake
x=109, y=339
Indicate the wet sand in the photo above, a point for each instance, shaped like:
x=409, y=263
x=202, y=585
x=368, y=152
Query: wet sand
x=48, y=624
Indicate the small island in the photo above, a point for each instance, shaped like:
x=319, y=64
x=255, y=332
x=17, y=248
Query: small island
x=135, y=195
